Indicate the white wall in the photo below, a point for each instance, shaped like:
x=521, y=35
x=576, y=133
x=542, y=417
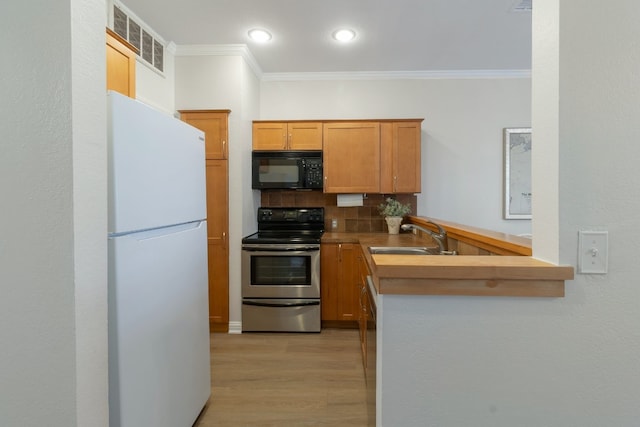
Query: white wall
x=53, y=318
x=598, y=188
x=564, y=362
x=226, y=82
x=462, y=170
x=154, y=88
x=546, y=116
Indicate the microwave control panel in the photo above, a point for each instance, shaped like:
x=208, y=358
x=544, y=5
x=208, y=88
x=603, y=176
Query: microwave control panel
x=313, y=173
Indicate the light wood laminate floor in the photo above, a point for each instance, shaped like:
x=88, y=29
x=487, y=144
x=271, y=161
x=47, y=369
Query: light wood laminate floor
x=286, y=379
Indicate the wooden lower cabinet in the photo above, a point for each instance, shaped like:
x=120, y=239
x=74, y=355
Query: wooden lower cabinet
x=340, y=290
x=218, y=244
x=363, y=312
x=214, y=124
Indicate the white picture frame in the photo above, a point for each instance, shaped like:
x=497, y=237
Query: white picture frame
x=517, y=173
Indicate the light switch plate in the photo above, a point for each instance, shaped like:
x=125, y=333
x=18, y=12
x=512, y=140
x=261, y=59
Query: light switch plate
x=593, y=252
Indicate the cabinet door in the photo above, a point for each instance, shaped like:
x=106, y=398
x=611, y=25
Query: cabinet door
x=121, y=65
x=218, y=242
x=329, y=280
x=349, y=295
x=351, y=153
x=400, y=164
x=304, y=136
x=339, y=288
x=269, y=136
x=363, y=272
x=214, y=125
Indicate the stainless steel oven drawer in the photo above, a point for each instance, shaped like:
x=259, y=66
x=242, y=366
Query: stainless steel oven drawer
x=280, y=315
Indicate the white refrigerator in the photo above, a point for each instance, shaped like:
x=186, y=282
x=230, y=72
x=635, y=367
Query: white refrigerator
x=159, y=363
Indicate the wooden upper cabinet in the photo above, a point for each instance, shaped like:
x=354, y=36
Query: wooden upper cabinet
x=351, y=157
x=269, y=136
x=305, y=135
x=214, y=124
x=121, y=65
x=400, y=164
x=287, y=135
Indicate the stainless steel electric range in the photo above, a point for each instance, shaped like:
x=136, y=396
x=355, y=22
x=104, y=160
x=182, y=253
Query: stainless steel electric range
x=281, y=271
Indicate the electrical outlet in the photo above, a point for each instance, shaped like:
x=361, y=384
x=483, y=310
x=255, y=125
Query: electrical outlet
x=593, y=252
x=334, y=223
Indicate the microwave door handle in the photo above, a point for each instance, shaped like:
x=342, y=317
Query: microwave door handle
x=302, y=172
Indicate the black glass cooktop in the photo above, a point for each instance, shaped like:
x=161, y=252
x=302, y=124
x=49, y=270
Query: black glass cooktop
x=288, y=225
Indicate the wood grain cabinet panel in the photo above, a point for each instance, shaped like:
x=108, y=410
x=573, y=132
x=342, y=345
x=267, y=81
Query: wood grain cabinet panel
x=363, y=314
x=218, y=242
x=400, y=164
x=121, y=65
x=339, y=281
x=287, y=135
x=351, y=153
x=214, y=123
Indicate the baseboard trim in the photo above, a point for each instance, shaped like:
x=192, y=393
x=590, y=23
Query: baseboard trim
x=235, y=327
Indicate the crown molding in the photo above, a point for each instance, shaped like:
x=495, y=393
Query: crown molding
x=243, y=51
x=171, y=48
x=221, y=50
x=400, y=75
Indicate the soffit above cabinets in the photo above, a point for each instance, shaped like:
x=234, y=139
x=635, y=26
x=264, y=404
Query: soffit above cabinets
x=392, y=36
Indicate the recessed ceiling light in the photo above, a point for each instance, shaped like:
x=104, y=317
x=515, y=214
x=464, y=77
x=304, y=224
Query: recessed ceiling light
x=259, y=35
x=344, y=35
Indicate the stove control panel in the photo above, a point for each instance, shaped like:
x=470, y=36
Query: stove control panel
x=290, y=215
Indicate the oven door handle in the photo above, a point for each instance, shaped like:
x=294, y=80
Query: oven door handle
x=280, y=304
x=268, y=249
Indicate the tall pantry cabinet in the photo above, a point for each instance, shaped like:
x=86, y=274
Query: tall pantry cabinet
x=214, y=124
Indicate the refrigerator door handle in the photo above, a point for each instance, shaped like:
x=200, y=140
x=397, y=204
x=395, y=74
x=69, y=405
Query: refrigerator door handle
x=160, y=231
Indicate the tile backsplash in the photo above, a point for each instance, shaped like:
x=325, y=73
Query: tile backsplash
x=348, y=219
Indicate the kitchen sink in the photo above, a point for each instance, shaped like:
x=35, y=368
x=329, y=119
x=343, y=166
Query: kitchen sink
x=404, y=250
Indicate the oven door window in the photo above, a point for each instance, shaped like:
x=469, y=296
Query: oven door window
x=270, y=270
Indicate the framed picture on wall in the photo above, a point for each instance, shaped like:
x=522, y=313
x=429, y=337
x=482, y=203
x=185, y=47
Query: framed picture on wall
x=517, y=173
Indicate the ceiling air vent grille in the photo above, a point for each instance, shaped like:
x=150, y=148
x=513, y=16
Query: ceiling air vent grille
x=150, y=49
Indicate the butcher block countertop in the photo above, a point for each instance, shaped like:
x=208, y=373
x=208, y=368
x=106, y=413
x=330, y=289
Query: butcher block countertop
x=473, y=275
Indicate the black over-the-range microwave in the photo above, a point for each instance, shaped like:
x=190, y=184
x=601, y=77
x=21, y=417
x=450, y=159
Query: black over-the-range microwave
x=286, y=169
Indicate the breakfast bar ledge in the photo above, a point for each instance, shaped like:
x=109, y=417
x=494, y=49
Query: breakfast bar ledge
x=516, y=275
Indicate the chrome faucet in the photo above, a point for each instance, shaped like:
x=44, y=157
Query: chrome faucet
x=440, y=237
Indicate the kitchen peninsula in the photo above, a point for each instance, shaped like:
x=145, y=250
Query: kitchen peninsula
x=472, y=272
x=428, y=312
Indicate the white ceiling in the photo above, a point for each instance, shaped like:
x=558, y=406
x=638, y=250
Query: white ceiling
x=393, y=35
